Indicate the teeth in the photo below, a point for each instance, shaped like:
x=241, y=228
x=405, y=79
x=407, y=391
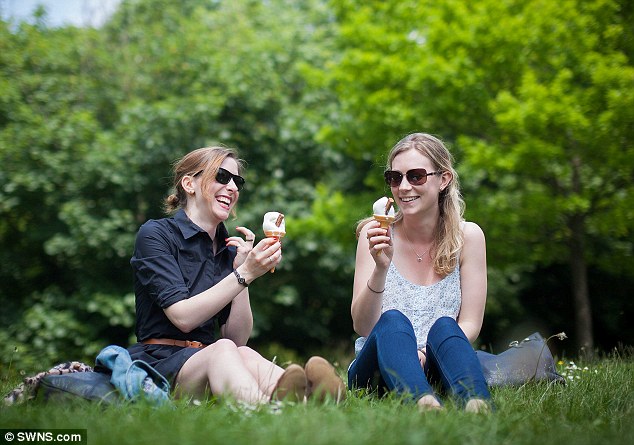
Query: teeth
x=409, y=199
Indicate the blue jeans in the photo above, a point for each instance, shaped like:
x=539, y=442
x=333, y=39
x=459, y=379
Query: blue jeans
x=389, y=360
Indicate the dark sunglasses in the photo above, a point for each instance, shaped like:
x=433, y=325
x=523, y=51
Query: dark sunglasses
x=224, y=176
x=415, y=176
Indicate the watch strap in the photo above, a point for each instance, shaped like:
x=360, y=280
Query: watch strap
x=241, y=280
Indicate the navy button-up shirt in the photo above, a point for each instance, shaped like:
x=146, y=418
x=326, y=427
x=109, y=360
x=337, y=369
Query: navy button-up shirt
x=174, y=260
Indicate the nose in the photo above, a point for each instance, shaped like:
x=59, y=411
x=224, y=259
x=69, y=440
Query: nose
x=231, y=185
x=404, y=185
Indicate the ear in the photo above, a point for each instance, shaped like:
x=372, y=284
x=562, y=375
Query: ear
x=445, y=180
x=187, y=182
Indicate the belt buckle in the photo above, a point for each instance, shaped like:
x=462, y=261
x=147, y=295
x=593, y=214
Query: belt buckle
x=194, y=344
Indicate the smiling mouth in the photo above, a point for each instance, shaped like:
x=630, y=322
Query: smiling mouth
x=409, y=199
x=224, y=201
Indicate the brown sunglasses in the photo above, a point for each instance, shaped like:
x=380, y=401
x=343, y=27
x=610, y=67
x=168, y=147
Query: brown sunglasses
x=415, y=176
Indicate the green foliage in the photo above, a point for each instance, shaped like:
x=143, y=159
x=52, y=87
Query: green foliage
x=56, y=327
x=535, y=98
x=90, y=122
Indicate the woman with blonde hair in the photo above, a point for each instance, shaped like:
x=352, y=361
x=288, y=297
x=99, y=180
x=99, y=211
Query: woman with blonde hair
x=420, y=285
x=191, y=279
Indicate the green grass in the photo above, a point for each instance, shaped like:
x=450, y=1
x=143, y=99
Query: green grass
x=596, y=406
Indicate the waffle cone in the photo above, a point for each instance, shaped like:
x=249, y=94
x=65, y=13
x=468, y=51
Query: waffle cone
x=385, y=220
x=274, y=234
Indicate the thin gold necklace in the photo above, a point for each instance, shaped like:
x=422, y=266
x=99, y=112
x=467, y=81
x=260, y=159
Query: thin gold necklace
x=419, y=258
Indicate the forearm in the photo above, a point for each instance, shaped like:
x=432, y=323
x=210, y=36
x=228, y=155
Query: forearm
x=473, y=281
x=240, y=322
x=367, y=301
x=190, y=313
x=470, y=328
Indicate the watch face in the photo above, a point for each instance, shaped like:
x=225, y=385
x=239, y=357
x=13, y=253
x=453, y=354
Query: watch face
x=241, y=280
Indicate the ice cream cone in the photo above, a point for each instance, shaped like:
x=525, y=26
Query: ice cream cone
x=274, y=227
x=274, y=234
x=384, y=220
x=383, y=212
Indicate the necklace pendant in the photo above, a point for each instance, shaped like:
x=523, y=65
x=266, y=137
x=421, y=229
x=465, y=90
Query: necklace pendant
x=419, y=259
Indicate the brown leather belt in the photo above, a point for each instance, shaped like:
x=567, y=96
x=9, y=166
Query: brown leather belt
x=172, y=342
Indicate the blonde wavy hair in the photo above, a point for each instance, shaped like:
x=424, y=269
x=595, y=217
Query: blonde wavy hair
x=206, y=160
x=448, y=239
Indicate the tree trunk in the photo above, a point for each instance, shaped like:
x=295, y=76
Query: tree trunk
x=579, y=272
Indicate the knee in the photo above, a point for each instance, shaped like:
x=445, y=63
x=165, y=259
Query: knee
x=445, y=323
x=443, y=328
x=247, y=353
x=223, y=346
x=394, y=320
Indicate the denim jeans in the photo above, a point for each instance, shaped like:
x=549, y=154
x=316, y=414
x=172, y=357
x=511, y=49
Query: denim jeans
x=389, y=360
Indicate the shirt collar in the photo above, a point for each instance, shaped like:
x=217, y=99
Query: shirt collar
x=189, y=229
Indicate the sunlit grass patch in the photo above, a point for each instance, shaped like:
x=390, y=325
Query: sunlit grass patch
x=596, y=408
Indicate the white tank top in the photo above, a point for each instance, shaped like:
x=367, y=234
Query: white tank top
x=423, y=305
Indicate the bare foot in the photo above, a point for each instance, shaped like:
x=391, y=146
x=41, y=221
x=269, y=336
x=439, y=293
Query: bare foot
x=428, y=403
x=477, y=406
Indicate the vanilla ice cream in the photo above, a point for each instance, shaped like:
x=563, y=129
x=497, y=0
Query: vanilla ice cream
x=274, y=224
x=383, y=207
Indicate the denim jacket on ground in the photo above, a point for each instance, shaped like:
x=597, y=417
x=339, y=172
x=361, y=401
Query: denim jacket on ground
x=134, y=379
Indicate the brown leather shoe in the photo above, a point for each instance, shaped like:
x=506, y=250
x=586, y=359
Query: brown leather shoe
x=292, y=385
x=323, y=381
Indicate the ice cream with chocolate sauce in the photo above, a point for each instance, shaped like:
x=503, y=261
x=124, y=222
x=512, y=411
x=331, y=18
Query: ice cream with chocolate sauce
x=274, y=226
x=383, y=211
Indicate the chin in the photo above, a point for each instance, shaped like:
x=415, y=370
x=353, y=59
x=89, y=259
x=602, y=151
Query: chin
x=223, y=215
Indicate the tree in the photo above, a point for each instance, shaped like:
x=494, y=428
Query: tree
x=535, y=97
x=564, y=137
x=89, y=126
x=52, y=246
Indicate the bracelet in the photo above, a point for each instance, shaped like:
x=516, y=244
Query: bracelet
x=372, y=290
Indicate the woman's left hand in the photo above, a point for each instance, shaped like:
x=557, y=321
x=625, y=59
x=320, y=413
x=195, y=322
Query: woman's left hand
x=422, y=358
x=244, y=246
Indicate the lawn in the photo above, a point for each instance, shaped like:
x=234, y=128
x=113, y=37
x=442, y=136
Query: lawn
x=596, y=406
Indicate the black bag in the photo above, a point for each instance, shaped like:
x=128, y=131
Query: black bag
x=91, y=386
x=525, y=361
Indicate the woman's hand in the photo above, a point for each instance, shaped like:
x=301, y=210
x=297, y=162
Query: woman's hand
x=380, y=243
x=266, y=255
x=422, y=358
x=244, y=246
